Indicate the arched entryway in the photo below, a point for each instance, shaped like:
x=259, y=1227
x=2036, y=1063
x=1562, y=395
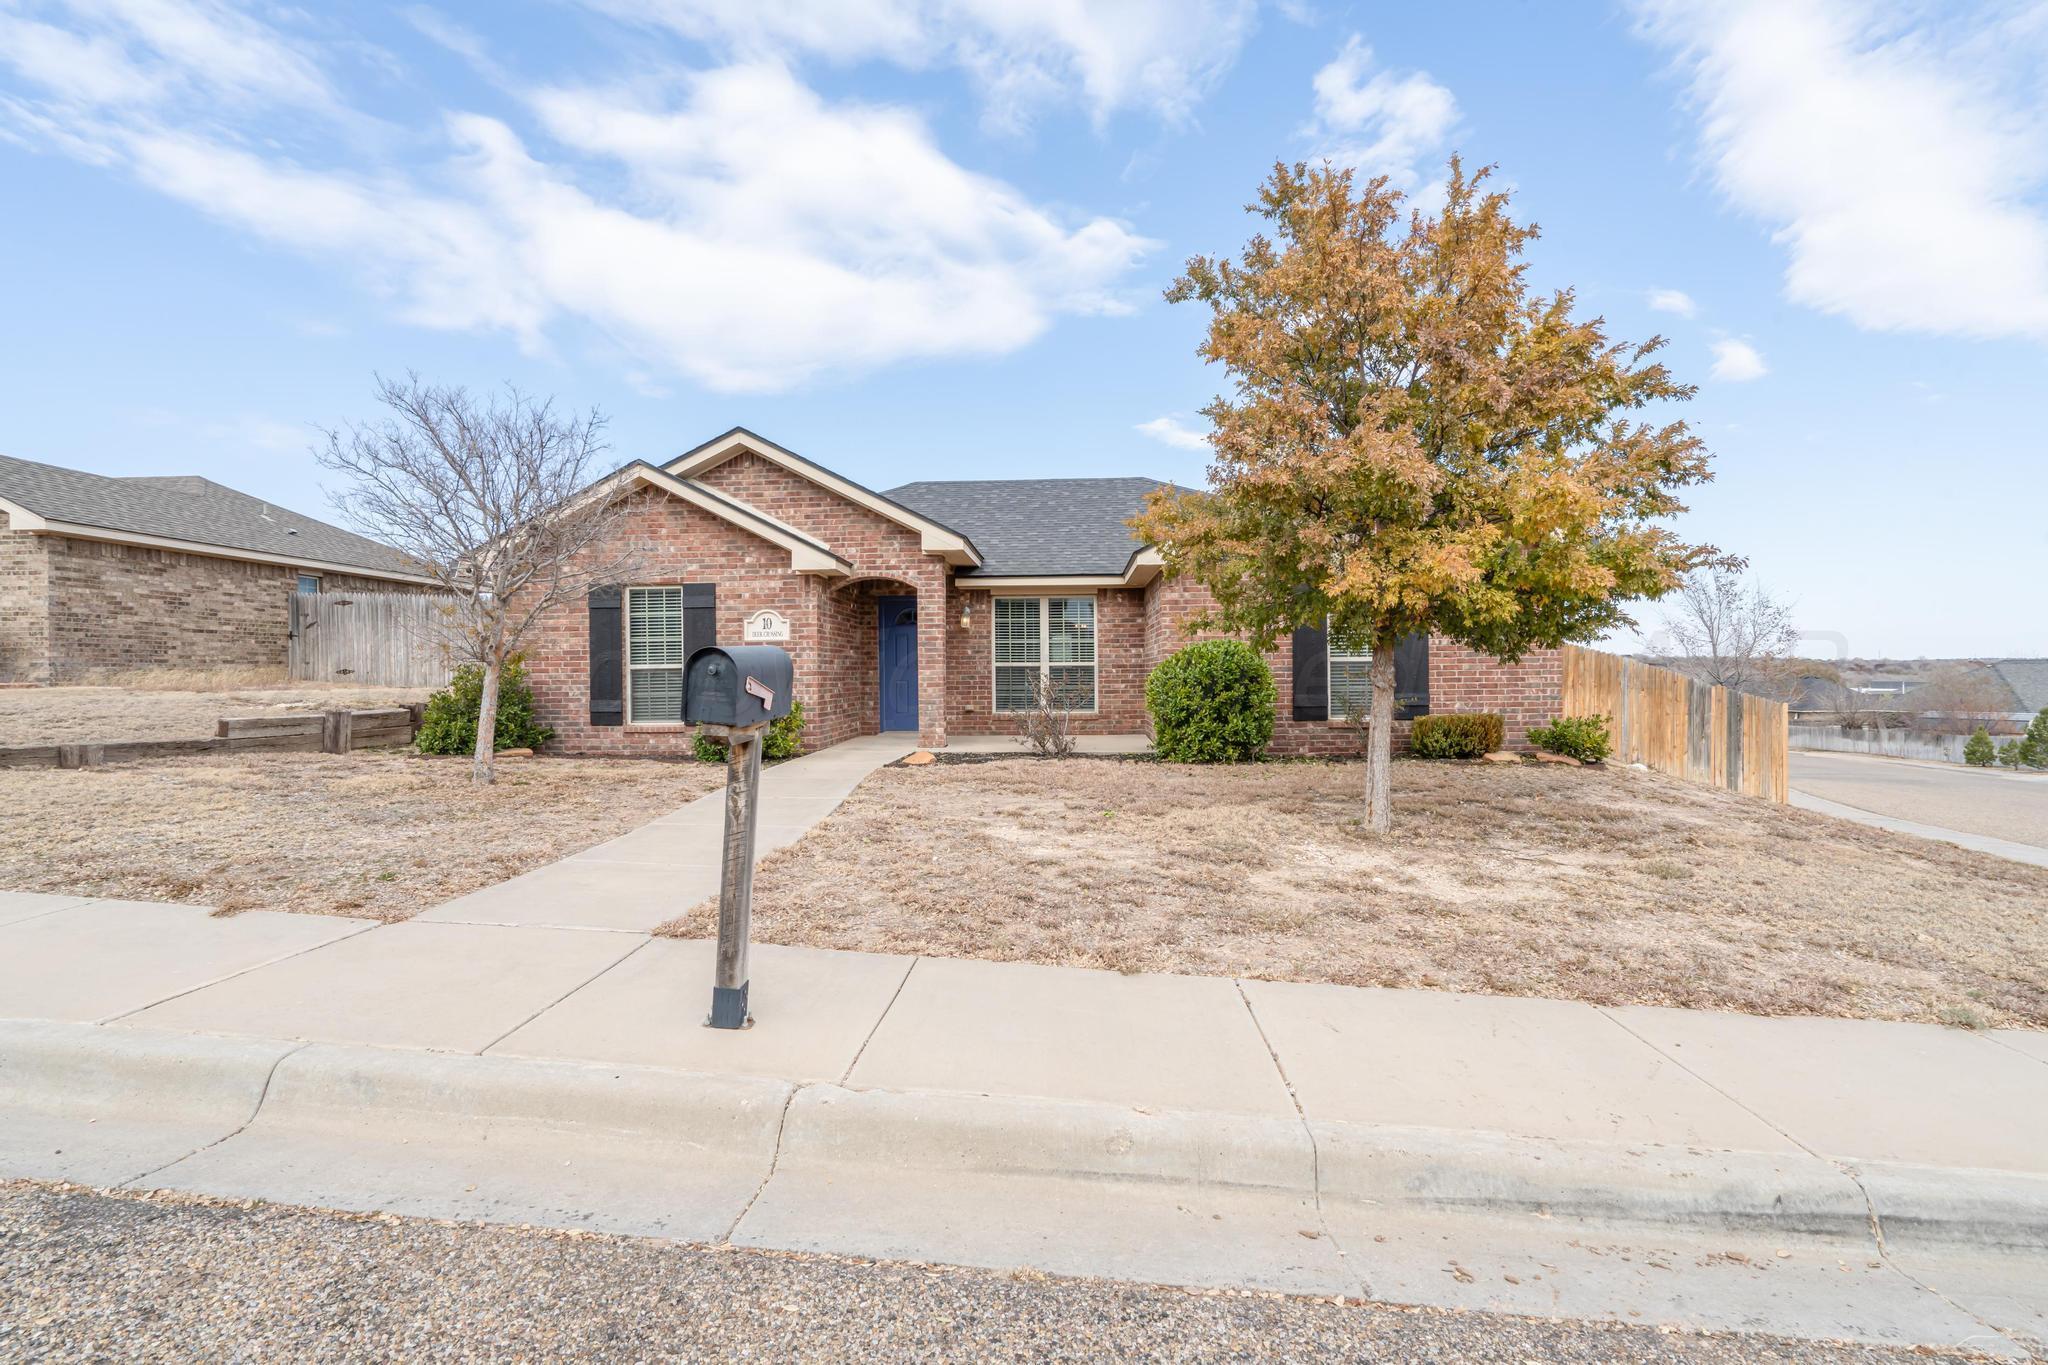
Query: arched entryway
x=881, y=627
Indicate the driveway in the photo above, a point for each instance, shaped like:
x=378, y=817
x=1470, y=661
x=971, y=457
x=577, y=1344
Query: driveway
x=2007, y=807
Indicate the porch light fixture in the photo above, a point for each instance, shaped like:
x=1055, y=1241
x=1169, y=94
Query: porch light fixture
x=966, y=614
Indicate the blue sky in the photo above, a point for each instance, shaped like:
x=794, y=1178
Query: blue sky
x=920, y=239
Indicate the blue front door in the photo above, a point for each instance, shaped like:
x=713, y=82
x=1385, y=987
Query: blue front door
x=896, y=619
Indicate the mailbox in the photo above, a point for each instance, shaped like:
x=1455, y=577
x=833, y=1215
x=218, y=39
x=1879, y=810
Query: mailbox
x=737, y=685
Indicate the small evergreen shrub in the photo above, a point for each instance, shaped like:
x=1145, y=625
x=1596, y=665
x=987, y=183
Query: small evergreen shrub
x=448, y=726
x=1472, y=735
x=2012, y=753
x=1581, y=737
x=1979, y=751
x=1211, y=702
x=785, y=739
x=2035, y=745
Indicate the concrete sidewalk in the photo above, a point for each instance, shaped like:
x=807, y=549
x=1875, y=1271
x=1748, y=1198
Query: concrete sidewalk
x=1858, y=1179
x=652, y=874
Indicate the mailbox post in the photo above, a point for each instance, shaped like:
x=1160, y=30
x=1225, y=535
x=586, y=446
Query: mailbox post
x=735, y=693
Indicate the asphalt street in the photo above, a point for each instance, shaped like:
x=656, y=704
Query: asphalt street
x=1997, y=804
x=84, y=1274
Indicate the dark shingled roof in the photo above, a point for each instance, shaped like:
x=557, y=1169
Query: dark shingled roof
x=187, y=507
x=1036, y=526
x=2028, y=679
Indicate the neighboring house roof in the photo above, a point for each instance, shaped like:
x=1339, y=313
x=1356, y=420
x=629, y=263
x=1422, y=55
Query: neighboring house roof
x=1047, y=528
x=183, y=512
x=2028, y=679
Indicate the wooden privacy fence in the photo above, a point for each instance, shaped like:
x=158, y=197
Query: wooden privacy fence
x=386, y=639
x=1674, y=724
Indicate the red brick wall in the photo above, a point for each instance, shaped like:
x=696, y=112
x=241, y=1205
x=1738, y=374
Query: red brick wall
x=1122, y=662
x=674, y=543
x=832, y=622
x=880, y=550
x=1526, y=693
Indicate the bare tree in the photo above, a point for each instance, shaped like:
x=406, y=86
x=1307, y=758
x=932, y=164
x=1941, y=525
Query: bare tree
x=1729, y=632
x=1957, y=698
x=489, y=500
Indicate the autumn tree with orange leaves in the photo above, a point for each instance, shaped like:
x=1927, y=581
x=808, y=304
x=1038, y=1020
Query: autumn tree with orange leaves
x=1414, y=441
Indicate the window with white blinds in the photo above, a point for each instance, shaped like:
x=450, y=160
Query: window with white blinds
x=1052, y=638
x=1350, y=674
x=654, y=655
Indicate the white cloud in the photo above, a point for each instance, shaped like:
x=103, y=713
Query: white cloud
x=1159, y=55
x=1173, y=432
x=1672, y=301
x=1380, y=122
x=746, y=232
x=1902, y=171
x=1737, y=362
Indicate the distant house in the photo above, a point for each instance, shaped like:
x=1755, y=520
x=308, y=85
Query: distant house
x=2028, y=679
x=105, y=574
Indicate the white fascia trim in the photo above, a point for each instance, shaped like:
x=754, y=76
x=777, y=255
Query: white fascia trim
x=21, y=519
x=1145, y=566
x=934, y=539
x=805, y=555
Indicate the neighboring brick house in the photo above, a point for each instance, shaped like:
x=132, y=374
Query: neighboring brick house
x=103, y=575
x=931, y=608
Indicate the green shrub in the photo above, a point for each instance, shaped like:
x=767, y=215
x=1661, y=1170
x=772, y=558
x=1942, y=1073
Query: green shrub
x=1472, y=735
x=1580, y=737
x=2035, y=745
x=2013, y=753
x=785, y=739
x=1211, y=702
x=1979, y=751
x=449, y=724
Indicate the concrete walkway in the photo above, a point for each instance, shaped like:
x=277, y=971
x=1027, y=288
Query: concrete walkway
x=644, y=878
x=1535, y=1155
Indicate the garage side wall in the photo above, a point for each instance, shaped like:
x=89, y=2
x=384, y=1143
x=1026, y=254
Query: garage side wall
x=24, y=607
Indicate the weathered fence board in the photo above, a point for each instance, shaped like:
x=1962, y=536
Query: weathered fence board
x=387, y=639
x=1667, y=721
x=376, y=727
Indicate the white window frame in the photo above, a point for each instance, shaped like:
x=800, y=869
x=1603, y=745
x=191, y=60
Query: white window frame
x=1332, y=656
x=626, y=652
x=316, y=580
x=1045, y=660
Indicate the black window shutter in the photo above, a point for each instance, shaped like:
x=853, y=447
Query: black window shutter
x=1411, y=677
x=700, y=617
x=607, y=658
x=1311, y=674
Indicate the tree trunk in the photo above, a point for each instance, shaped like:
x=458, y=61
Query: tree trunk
x=481, y=773
x=1379, y=740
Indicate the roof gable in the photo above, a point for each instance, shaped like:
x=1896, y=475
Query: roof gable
x=935, y=537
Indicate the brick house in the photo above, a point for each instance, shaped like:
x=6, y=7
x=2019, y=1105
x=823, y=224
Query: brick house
x=110, y=574
x=931, y=608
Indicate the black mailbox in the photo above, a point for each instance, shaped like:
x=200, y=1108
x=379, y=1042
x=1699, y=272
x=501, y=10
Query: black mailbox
x=737, y=685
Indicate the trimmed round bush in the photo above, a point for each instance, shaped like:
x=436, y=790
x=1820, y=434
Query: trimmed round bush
x=1459, y=735
x=1211, y=702
x=448, y=725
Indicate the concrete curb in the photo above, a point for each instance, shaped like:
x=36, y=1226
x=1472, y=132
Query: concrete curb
x=420, y=1131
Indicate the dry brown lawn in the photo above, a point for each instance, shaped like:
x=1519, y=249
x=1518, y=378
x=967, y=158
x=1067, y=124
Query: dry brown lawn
x=378, y=834
x=1604, y=885
x=118, y=714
